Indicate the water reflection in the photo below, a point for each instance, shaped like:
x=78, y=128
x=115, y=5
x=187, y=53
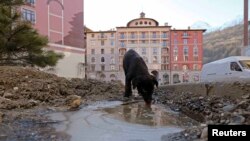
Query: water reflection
x=154, y=116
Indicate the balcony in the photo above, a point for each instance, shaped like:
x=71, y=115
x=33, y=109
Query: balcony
x=132, y=45
x=155, y=36
x=102, y=37
x=122, y=37
x=186, y=36
x=155, y=44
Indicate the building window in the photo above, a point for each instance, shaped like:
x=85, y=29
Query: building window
x=29, y=15
x=175, y=58
x=143, y=35
x=164, y=35
x=102, y=67
x=185, y=67
x=155, y=59
x=102, y=51
x=122, y=36
x=175, y=51
x=92, y=51
x=195, y=41
x=132, y=35
x=112, y=67
x=195, y=51
x=185, y=41
x=196, y=58
x=112, y=51
x=144, y=51
x=102, y=59
x=112, y=34
x=175, y=41
x=154, y=35
x=185, y=58
x=92, y=35
x=175, y=35
x=185, y=50
x=92, y=67
x=175, y=67
x=112, y=60
x=122, y=44
x=185, y=34
x=102, y=35
x=30, y=1
x=164, y=43
x=112, y=43
x=93, y=59
x=155, y=51
x=143, y=42
x=195, y=67
x=102, y=43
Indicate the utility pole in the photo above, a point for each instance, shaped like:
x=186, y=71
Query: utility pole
x=245, y=23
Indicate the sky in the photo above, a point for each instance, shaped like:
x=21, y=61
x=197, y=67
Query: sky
x=107, y=14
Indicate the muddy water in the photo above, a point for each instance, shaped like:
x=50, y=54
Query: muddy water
x=112, y=121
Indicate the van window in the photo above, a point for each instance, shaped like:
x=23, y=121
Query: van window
x=245, y=64
x=234, y=66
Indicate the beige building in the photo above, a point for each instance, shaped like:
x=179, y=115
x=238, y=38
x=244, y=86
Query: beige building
x=105, y=49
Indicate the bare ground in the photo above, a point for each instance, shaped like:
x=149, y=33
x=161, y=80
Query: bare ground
x=26, y=94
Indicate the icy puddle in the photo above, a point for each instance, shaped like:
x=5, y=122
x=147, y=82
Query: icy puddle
x=112, y=121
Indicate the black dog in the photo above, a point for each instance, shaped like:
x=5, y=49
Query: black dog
x=137, y=71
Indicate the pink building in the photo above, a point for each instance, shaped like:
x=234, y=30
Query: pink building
x=62, y=22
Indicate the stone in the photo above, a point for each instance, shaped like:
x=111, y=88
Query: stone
x=75, y=104
x=74, y=101
x=204, y=133
x=237, y=119
x=15, y=88
x=8, y=95
x=229, y=108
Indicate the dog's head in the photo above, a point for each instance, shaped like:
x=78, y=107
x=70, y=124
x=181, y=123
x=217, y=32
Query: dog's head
x=145, y=86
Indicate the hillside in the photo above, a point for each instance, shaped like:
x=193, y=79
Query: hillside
x=222, y=43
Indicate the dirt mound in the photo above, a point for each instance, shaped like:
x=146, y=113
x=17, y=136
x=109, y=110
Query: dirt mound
x=28, y=87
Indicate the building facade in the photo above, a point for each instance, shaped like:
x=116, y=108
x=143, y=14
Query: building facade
x=62, y=22
x=154, y=43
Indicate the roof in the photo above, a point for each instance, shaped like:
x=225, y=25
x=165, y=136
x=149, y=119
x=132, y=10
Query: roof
x=144, y=27
x=189, y=29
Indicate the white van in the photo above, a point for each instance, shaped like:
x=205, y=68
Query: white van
x=233, y=68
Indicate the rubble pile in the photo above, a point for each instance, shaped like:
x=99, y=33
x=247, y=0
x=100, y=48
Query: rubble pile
x=25, y=88
x=209, y=109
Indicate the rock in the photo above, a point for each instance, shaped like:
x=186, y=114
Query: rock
x=229, y=108
x=74, y=101
x=75, y=104
x=237, y=119
x=8, y=95
x=246, y=96
x=204, y=133
x=15, y=88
